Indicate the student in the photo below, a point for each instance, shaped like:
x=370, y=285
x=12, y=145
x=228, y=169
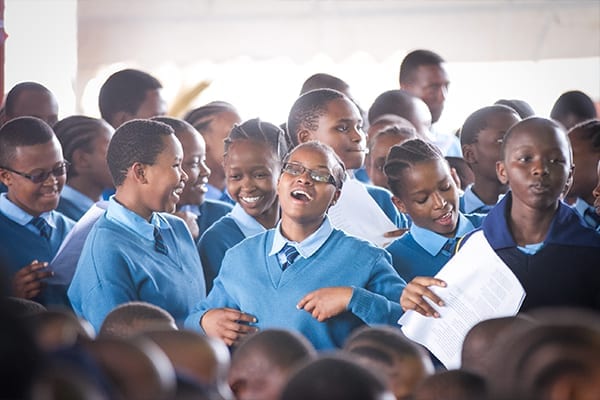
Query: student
x=542, y=240
x=379, y=147
x=137, y=250
x=214, y=121
x=585, y=141
x=253, y=154
x=423, y=74
x=263, y=363
x=351, y=282
x=573, y=107
x=388, y=352
x=31, y=99
x=481, y=139
x=34, y=170
x=520, y=106
x=452, y=385
x=193, y=198
x=330, y=117
x=335, y=378
x=423, y=188
x=84, y=141
x=129, y=94
x=135, y=317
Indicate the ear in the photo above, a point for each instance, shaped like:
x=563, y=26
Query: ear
x=569, y=182
x=138, y=172
x=399, y=204
x=79, y=159
x=304, y=136
x=501, y=172
x=469, y=154
x=336, y=197
x=5, y=177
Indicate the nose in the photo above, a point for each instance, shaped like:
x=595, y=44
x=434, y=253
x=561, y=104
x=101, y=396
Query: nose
x=357, y=135
x=204, y=170
x=438, y=200
x=540, y=167
x=596, y=192
x=183, y=176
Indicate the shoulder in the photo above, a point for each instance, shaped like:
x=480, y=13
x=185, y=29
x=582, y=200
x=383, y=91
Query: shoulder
x=210, y=205
x=352, y=245
x=223, y=230
x=475, y=219
x=378, y=193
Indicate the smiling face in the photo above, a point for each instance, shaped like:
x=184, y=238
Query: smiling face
x=163, y=181
x=303, y=200
x=251, y=171
x=194, y=165
x=429, y=196
x=35, y=198
x=537, y=165
x=341, y=128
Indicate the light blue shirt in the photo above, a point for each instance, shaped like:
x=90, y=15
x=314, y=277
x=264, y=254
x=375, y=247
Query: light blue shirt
x=581, y=206
x=433, y=242
x=76, y=197
x=472, y=203
x=307, y=247
x=247, y=224
x=123, y=216
x=193, y=208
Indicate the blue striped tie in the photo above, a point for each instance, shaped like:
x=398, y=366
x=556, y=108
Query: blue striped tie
x=159, y=243
x=41, y=224
x=290, y=253
x=450, y=247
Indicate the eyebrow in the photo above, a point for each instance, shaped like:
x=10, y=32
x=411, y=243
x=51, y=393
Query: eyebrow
x=426, y=191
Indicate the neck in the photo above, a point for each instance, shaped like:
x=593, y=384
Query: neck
x=529, y=225
x=298, y=231
x=131, y=201
x=87, y=187
x=488, y=190
x=269, y=218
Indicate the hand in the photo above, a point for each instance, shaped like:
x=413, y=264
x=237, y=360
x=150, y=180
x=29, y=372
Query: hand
x=224, y=323
x=28, y=281
x=412, y=297
x=191, y=220
x=395, y=233
x=326, y=302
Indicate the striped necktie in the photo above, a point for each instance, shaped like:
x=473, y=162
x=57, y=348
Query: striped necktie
x=290, y=254
x=44, y=228
x=159, y=243
x=449, y=248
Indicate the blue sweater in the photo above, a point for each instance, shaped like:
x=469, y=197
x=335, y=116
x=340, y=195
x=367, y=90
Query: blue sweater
x=564, y=272
x=252, y=281
x=119, y=263
x=421, y=252
x=384, y=199
x=210, y=212
x=19, y=247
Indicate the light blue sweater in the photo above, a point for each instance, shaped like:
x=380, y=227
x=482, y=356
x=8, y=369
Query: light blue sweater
x=119, y=263
x=252, y=281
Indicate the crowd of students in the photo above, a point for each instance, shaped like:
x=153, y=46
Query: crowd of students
x=139, y=251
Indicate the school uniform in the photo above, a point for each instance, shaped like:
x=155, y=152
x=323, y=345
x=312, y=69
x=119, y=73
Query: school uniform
x=223, y=235
x=255, y=279
x=126, y=258
x=73, y=203
x=564, y=270
x=421, y=252
x=470, y=203
x=588, y=213
x=209, y=212
x=213, y=193
x=24, y=240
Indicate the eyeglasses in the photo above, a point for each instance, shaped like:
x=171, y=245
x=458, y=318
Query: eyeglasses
x=42, y=176
x=317, y=176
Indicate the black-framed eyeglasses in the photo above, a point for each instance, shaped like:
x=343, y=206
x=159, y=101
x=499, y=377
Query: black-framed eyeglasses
x=317, y=176
x=40, y=177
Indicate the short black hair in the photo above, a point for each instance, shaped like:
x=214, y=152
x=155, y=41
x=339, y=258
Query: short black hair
x=307, y=110
x=22, y=131
x=574, y=103
x=520, y=106
x=201, y=117
x=406, y=155
x=125, y=90
x=322, y=80
x=177, y=124
x=588, y=131
x=479, y=120
x=78, y=132
x=138, y=140
x=262, y=132
x=396, y=102
x=14, y=93
x=413, y=60
x=525, y=124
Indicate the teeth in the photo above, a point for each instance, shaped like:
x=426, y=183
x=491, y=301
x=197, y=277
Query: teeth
x=250, y=199
x=297, y=193
x=178, y=191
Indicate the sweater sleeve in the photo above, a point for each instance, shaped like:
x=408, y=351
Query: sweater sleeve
x=378, y=301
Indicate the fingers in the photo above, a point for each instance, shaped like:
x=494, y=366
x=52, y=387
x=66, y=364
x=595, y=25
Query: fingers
x=28, y=281
x=228, y=324
x=414, y=294
x=396, y=233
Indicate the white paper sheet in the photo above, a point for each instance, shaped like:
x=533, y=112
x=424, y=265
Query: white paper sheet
x=359, y=215
x=65, y=260
x=479, y=286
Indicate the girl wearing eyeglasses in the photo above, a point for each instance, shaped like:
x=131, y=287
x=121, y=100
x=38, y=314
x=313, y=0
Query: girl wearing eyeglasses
x=31, y=230
x=303, y=275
